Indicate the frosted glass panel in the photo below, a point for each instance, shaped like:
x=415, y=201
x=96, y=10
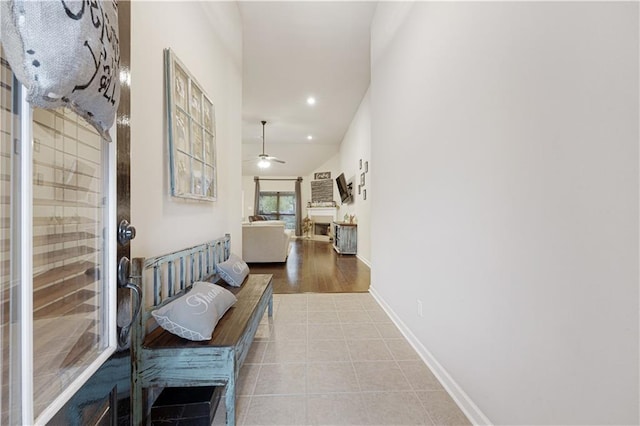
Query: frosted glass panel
x=68, y=301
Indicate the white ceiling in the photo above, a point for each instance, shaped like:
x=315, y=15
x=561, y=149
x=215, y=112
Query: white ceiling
x=293, y=50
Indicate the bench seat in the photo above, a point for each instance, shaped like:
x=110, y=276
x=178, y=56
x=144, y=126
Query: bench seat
x=232, y=324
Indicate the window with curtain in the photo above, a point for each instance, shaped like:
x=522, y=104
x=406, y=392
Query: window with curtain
x=279, y=206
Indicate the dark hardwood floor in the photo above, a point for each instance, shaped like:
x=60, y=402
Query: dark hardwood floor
x=314, y=267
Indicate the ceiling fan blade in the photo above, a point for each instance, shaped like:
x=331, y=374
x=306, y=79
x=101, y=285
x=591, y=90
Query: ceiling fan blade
x=263, y=156
x=272, y=158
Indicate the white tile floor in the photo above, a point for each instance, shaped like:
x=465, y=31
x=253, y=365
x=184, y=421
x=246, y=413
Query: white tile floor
x=337, y=359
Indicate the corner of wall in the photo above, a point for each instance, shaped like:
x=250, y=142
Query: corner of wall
x=464, y=402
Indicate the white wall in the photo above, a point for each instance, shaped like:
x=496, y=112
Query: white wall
x=207, y=37
x=514, y=129
x=356, y=146
x=248, y=191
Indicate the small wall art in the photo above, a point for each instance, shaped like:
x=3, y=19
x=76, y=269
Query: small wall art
x=364, y=194
x=191, y=130
x=366, y=166
x=322, y=175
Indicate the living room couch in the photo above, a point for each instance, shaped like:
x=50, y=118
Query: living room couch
x=265, y=241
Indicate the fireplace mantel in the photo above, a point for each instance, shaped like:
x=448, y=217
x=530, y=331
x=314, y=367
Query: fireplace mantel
x=323, y=211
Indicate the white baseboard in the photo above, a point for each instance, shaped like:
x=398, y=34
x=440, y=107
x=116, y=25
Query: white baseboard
x=363, y=260
x=468, y=407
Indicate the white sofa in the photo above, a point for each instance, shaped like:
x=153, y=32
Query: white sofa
x=265, y=241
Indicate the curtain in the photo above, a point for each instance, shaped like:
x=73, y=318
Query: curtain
x=256, y=200
x=298, y=207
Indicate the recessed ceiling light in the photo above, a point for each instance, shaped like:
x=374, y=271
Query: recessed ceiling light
x=311, y=100
x=309, y=137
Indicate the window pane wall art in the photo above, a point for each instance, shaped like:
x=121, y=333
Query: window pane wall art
x=191, y=133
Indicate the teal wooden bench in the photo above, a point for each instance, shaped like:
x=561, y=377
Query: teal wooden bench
x=161, y=359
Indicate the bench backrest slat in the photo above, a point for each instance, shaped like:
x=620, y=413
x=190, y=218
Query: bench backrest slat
x=157, y=289
x=172, y=277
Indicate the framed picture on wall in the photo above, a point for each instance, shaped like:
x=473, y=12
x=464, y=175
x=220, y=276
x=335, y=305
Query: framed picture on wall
x=364, y=194
x=322, y=175
x=361, y=164
x=191, y=131
x=366, y=166
x=362, y=179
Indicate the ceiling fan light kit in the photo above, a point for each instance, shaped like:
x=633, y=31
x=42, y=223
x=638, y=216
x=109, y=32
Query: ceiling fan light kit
x=264, y=160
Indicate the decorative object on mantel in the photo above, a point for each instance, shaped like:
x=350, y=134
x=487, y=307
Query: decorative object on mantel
x=191, y=132
x=67, y=55
x=322, y=175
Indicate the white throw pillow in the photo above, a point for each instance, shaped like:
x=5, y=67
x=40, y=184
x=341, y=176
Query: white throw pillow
x=194, y=315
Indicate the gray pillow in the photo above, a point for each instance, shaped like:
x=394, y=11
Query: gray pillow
x=195, y=314
x=66, y=54
x=233, y=270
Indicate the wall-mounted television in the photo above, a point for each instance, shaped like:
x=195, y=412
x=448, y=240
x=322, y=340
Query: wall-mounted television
x=344, y=189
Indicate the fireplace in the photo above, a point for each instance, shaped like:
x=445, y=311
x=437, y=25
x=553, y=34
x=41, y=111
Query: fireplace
x=322, y=218
x=321, y=229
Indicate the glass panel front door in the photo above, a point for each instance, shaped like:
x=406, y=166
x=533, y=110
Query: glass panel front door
x=66, y=228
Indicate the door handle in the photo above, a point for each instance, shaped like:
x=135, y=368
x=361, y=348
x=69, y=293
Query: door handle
x=124, y=282
x=126, y=232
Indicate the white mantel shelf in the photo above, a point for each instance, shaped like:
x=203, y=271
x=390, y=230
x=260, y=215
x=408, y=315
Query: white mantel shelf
x=322, y=211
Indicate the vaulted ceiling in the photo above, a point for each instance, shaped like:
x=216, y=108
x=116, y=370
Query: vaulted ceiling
x=293, y=51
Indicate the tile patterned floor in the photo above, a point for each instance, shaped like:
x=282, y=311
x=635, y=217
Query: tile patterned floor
x=337, y=359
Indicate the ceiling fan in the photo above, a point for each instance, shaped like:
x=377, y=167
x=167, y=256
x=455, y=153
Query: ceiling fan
x=264, y=160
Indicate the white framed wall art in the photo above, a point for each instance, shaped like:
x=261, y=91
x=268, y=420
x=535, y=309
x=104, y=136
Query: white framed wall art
x=191, y=131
